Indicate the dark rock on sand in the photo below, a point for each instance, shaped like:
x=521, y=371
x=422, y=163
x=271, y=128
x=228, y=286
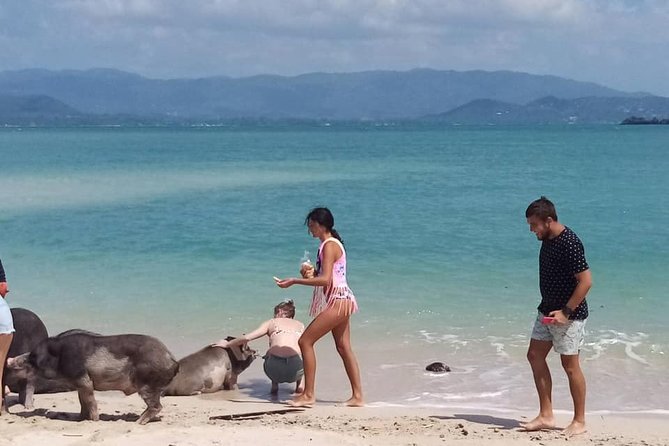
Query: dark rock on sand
x=438, y=367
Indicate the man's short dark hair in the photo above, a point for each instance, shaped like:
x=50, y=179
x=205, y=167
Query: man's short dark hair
x=541, y=208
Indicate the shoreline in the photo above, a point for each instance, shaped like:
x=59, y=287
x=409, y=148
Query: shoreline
x=186, y=420
x=489, y=371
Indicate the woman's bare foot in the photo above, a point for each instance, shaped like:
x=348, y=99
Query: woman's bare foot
x=575, y=428
x=302, y=401
x=539, y=423
x=354, y=402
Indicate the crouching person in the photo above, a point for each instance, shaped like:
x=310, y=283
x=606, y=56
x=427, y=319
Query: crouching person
x=283, y=362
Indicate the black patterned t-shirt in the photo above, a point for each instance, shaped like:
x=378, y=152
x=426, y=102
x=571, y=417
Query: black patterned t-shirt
x=560, y=259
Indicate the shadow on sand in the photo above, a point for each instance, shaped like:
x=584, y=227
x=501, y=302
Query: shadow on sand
x=258, y=390
x=75, y=416
x=493, y=422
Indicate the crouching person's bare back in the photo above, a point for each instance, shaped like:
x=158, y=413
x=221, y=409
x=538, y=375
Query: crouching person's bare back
x=283, y=361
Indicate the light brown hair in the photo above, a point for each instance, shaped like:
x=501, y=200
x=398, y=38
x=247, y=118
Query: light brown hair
x=287, y=307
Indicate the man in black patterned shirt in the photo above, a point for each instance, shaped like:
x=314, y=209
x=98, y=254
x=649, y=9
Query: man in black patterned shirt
x=564, y=281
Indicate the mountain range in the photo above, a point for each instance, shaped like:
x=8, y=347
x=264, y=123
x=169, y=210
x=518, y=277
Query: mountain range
x=550, y=109
x=471, y=97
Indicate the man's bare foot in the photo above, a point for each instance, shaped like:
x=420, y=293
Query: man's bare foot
x=539, y=423
x=354, y=402
x=302, y=401
x=575, y=428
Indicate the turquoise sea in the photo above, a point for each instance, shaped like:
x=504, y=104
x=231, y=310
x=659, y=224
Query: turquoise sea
x=177, y=233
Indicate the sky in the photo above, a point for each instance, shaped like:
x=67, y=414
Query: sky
x=621, y=44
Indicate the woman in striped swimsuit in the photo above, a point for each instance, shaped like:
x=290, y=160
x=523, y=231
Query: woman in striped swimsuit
x=332, y=305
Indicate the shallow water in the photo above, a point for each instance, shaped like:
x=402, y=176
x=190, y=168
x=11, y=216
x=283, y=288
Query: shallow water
x=178, y=232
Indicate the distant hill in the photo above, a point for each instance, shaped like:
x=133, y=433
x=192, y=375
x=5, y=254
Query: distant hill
x=635, y=120
x=372, y=95
x=34, y=106
x=551, y=110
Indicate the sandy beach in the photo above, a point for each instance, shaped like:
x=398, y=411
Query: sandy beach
x=187, y=421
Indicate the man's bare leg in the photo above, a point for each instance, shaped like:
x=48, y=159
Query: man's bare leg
x=5, y=343
x=577, y=387
x=536, y=355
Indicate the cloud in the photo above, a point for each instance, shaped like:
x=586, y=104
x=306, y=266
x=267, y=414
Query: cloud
x=615, y=42
x=116, y=9
x=324, y=19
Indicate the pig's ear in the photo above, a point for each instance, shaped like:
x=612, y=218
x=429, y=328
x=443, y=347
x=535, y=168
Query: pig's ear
x=53, y=347
x=17, y=361
x=237, y=353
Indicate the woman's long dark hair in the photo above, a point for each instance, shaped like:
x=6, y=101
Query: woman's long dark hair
x=323, y=217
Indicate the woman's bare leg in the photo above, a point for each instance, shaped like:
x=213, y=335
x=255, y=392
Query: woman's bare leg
x=342, y=338
x=324, y=322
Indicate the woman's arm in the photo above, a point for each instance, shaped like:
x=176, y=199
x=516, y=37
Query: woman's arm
x=255, y=334
x=331, y=252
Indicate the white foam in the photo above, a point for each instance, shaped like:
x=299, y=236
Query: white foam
x=663, y=412
x=500, y=349
x=612, y=337
x=464, y=396
x=433, y=338
x=397, y=366
x=654, y=348
x=631, y=354
x=487, y=408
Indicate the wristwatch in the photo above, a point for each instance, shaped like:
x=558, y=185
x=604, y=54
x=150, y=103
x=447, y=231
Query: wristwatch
x=567, y=311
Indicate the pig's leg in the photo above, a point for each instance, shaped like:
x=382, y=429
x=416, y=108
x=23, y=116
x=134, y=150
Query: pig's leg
x=231, y=382
x=26, y=395
x=151, y=397
x=89, y=407
x=27, y=390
